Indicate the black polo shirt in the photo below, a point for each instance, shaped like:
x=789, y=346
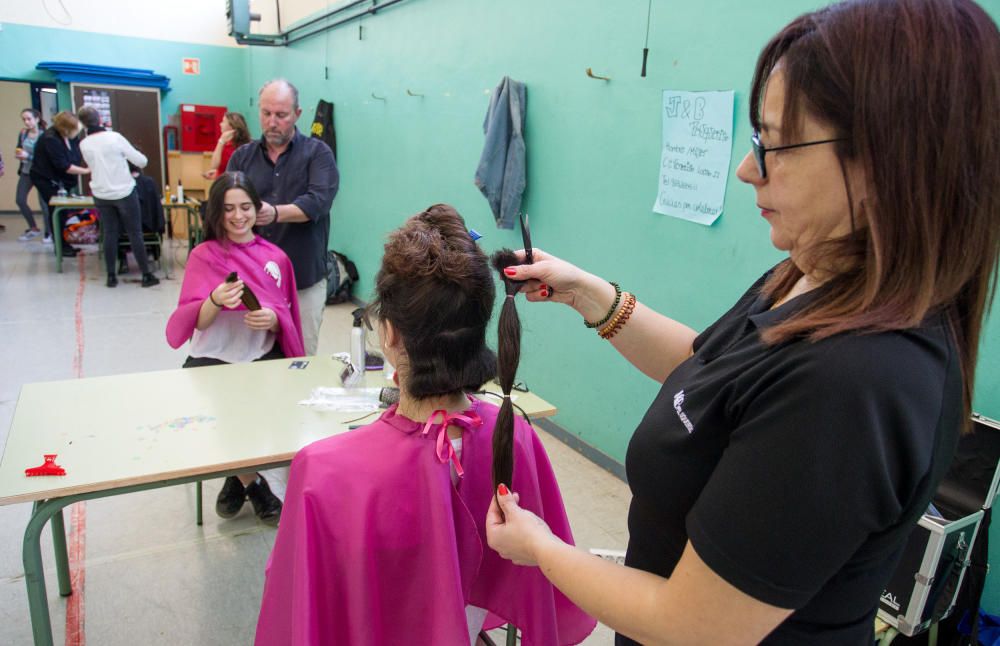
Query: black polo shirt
x=796, y=471
x=305, y=175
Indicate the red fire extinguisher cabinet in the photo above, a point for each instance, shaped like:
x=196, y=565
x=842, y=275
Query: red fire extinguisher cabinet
x=200, y=126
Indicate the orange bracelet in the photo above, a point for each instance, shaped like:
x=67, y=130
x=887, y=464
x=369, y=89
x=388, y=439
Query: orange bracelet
x=620, y=317
x=626, y=296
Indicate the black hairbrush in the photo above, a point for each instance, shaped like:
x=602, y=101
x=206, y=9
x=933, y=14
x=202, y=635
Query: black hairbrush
x=248, y=297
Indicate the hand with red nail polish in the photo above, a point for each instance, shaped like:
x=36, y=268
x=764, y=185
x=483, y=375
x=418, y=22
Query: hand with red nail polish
x=515, y=533
x=554, y=280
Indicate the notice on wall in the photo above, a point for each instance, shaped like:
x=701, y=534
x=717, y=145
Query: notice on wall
x=191, y=65
x=697, y=150
x=100, y=100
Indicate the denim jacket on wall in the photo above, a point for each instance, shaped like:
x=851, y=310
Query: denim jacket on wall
x=501, y=172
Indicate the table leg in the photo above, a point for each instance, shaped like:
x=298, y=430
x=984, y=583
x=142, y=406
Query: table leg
x=167, y=248
x=62, y=560
x=57, y=237
x=34, y=574
x=197, y=492
x=192, y=236
x=888, y=636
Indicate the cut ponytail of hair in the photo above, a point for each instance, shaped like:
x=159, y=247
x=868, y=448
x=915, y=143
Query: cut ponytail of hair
x=508, y=357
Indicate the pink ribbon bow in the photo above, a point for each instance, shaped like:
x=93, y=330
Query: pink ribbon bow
x=443, y=447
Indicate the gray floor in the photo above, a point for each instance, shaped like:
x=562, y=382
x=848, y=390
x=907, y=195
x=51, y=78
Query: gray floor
x=151, y=575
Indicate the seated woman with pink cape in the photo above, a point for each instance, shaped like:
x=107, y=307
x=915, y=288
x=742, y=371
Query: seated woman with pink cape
x=212, y=311
x=382, y=539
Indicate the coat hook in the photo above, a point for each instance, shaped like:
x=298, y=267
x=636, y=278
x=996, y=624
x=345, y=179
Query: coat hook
x=413, y=93
x=380, y=98
x=591, y=74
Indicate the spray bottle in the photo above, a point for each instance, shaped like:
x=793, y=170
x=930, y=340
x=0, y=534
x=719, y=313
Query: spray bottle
x=358, y=340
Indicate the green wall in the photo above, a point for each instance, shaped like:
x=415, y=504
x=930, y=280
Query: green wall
x=223, y=79
x=593, y=157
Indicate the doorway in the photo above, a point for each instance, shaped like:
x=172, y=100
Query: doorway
x=132, y=111
x=15, y=96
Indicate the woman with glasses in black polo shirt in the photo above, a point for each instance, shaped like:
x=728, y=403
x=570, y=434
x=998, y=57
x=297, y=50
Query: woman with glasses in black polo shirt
x=796, y=441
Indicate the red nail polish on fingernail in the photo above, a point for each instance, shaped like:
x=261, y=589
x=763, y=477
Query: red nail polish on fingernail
x=503, y=489
x=510, y=271
x=545, y=293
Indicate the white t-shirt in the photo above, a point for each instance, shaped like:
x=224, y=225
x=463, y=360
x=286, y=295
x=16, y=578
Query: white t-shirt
x=106, y=154
x=229, y=339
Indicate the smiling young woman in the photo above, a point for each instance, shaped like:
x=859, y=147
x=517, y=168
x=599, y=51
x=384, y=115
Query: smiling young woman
x=226, y=327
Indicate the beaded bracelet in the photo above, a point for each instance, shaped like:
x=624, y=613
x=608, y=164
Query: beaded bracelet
x=611, y=312
x=604, y=330
x=618, y=322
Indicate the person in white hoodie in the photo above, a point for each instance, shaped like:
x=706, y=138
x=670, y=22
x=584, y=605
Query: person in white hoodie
x=107, y=153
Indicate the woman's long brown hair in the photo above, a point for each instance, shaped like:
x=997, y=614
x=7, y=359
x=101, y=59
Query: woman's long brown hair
x=508, y=358
x=241, y=134
x=914, y=87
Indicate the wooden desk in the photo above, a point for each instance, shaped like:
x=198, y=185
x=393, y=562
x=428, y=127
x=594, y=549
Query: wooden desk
x=59, y=204
x=159, y=429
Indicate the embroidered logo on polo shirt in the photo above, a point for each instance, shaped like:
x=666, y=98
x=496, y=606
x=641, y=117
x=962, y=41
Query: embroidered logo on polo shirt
x=273, y=271
x=678, y=401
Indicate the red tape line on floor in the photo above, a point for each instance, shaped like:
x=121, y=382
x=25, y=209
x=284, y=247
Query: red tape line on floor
x=78, y=512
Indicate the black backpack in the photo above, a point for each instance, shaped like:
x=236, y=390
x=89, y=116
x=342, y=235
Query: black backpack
x=341, y=274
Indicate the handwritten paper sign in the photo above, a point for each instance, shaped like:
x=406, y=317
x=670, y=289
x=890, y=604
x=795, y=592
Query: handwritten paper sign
x=697, y=149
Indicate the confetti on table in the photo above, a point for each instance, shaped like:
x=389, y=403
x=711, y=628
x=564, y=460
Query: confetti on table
x=193, y=422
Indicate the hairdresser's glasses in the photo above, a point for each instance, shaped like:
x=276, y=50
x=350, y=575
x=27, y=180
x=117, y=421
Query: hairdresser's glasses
x=759, y=150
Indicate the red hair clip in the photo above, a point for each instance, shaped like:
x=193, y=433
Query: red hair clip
x=47, y=468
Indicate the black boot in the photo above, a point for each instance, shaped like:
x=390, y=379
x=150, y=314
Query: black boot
x=231, y=498
x=148, y=280
x=112, y=280
x=265, y=504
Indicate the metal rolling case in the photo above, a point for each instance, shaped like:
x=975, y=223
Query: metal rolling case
x=926, y=582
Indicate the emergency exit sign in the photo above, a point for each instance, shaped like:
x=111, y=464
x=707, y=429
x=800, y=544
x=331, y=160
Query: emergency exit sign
x=191, y=65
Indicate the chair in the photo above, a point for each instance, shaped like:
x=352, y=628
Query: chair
x=511, y=637
x=925, y=587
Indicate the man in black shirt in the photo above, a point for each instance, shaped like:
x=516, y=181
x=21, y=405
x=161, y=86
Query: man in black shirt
x=297, y=179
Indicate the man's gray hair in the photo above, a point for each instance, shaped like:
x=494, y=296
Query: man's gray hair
x=89, y=117
x=294, y=90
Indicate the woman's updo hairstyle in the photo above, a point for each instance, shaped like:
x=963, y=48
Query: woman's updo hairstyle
x=436, y=288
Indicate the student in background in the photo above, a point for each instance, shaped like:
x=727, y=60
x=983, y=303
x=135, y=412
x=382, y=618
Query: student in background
x=796, y=441
x=211, y=314
x=151, y=209
x=235, y=133
x=25, y=152
x=107, y=154
x=382, y=537
x=57, y=164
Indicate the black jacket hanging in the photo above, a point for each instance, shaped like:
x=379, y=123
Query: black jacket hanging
x=322, y=125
